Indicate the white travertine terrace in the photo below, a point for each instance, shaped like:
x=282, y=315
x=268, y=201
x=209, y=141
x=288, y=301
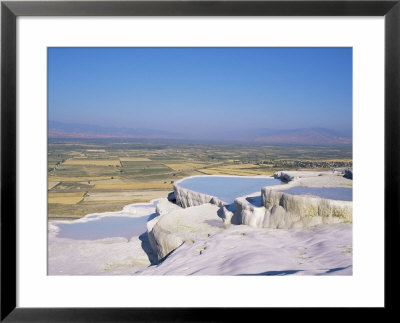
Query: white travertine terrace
x=208, y=237
x=280, y=209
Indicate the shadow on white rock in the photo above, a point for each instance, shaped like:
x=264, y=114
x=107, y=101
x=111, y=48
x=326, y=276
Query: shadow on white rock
x=171, y=229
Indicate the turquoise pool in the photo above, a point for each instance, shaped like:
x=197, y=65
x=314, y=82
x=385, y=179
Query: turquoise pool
x=106, y=227
x=333, y=193
x=227, y=188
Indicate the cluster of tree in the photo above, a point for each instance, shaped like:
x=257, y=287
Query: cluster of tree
x=311, y=164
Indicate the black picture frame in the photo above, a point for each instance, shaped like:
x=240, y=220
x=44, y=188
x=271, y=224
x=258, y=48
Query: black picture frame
x=10, y=10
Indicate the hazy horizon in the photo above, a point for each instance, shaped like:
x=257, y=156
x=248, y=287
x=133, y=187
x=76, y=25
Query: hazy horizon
x=202, y=92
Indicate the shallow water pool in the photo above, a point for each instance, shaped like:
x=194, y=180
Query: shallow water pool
x=106, y=227
x=333, y=193
x=227, y=188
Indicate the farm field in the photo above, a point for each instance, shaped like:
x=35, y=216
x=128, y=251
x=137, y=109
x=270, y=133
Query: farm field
x=101, y=176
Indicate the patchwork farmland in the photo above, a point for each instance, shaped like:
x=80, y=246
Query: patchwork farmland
x=90, y=177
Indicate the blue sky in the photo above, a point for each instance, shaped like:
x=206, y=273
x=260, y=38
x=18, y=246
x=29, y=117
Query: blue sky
x=197, y=91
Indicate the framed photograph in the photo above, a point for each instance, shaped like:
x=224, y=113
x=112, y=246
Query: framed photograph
x=160, y=158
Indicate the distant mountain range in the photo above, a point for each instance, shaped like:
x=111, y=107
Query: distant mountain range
x=74, y=130
x=303, y=136
x=306, y=136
